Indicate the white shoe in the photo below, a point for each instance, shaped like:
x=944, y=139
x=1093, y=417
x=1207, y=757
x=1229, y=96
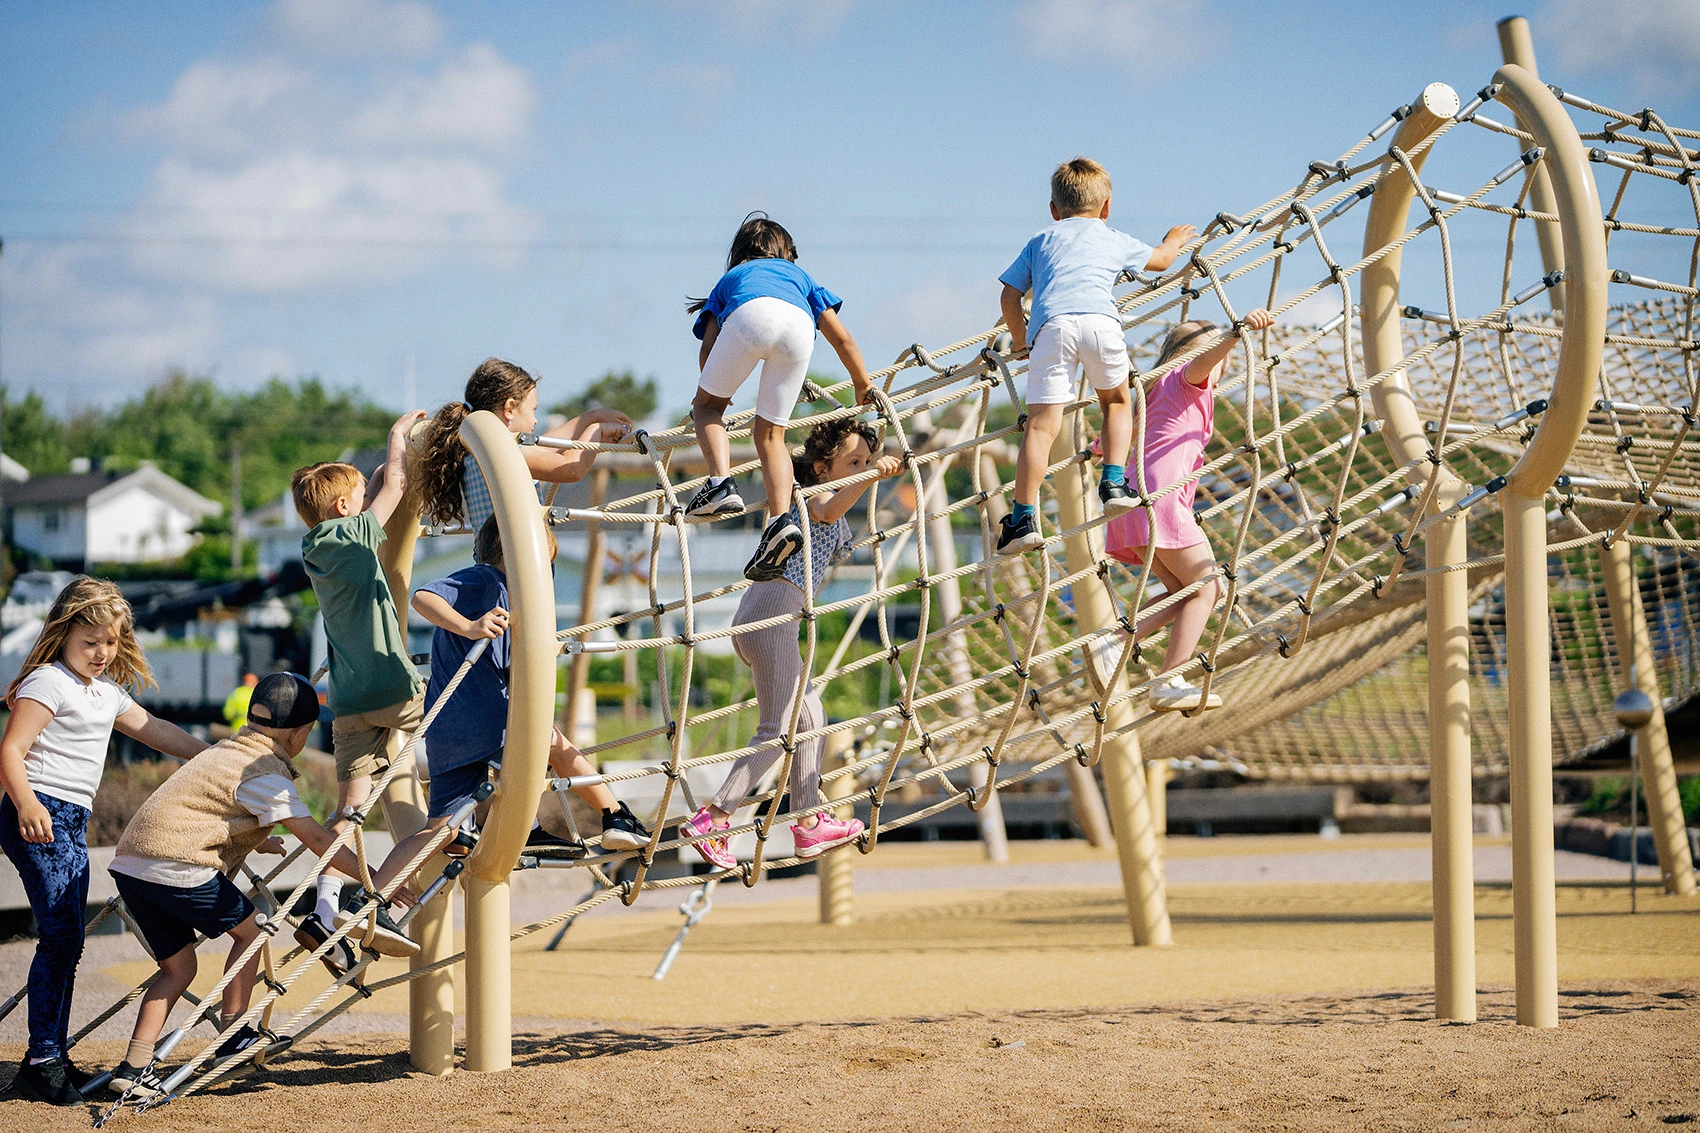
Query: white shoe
x=1173, y=694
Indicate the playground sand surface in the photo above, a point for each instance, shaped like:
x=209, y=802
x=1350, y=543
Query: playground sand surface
x=1284, y=1005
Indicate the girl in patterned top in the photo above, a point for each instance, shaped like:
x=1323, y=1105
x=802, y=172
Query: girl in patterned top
x=834, y=451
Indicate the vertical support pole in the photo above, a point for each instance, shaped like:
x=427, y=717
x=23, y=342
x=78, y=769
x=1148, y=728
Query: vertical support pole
x=1528, y=646
x=1444, y=545
x=1517, y=46
x=1157, y=792
x=1658, y=772
x=1451, y=825
x=1124, y=770
x=594, y=555
x=431, y=998
x=531, y=703
x=834, y=872
x=1086, y=806
x=942, y=543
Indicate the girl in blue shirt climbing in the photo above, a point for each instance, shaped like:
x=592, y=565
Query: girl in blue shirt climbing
x=764, y=309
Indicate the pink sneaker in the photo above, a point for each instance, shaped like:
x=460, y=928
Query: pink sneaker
x=715, y=851
x=828, y=834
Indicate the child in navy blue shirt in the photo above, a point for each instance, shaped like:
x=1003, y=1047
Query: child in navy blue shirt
x=1070, y=267
x=468, y=606
x=764, y=309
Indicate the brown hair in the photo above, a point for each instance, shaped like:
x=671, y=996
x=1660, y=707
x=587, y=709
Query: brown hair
x=1183, y=336
x=758, y=238
x=1078, y=186
x=825, y=441
x=88, y=602
x=318, y=486
x=488, y=549
x=442, y=454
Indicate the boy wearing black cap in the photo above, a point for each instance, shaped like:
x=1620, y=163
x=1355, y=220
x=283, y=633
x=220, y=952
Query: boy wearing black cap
x=172, y=864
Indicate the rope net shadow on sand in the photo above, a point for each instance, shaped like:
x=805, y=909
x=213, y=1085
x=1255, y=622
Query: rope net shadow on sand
x=1315, y=640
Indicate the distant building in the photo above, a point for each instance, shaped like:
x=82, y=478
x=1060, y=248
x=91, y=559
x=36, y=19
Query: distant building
x=86, y=517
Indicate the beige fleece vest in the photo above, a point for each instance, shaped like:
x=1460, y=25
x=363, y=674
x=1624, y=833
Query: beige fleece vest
x=194, y=818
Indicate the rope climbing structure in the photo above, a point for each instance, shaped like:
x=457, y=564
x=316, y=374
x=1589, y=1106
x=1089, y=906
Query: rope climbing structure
x=1491, y=494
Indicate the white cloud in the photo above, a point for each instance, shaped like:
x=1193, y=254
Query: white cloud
x=1656, y=43
x=477, y=99
x=219, y=105
x=358, y=28
x=1148, y=37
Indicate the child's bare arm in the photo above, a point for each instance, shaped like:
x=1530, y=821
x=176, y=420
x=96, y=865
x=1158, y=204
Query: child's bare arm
x=1198, y=370
x=1014, y=318
x=832, y=508
x=436, y=609
x=317, y=840
x=383, y=501
x=710, y=332
x=568, y=466
x=837, y=335
x=161, y=735
x=28, y=718
x=1163, y=255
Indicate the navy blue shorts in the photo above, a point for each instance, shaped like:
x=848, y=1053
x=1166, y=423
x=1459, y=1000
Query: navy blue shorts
x=453, y=787
x=169, y=916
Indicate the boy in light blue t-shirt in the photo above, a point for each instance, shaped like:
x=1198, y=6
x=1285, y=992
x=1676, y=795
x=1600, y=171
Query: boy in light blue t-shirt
x=1070, y=267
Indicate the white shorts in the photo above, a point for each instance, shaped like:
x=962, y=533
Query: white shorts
x=779, y=335
x=1066, y=341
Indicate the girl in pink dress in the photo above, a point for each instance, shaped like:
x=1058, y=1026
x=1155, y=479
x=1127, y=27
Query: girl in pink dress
x=1180, y=416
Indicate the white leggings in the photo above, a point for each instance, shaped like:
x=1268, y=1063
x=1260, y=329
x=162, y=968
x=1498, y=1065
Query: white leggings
x=779, y=335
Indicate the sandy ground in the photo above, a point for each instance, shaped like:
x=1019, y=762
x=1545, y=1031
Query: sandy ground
x=974, y=996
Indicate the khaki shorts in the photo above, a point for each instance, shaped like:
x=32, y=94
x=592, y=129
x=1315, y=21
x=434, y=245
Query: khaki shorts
x=365, y=742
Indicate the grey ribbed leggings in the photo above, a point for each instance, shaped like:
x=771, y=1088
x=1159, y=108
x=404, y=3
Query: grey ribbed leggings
x=775, y=663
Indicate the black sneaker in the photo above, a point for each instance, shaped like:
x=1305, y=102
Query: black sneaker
x=547, y=845
x=1018, y=535
x=388, y=940
x=621, y=830
x=1116, y=498
x=143, y=1083
x=46, y=1082
x=715, y=499
x=781, y=539
x=79, y=1077
x=245, y=1036
x=311, y=933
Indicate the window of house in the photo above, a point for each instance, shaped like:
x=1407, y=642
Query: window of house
x=51, y=519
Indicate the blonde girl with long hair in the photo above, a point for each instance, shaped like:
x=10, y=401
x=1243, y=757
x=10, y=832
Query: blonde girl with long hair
x=453, y=486
x=73, y=690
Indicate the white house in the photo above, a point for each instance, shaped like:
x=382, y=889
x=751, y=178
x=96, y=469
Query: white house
x=82, y=518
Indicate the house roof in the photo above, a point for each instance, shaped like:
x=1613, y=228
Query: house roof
x=93, y=488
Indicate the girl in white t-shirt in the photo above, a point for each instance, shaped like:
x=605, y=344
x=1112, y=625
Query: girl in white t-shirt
x=68, y=697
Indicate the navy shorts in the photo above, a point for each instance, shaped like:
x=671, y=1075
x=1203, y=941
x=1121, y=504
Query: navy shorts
x=453, y=787
x=170, y=916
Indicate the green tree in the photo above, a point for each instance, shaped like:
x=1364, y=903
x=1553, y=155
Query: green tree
x=32, y=436
x=612, y=390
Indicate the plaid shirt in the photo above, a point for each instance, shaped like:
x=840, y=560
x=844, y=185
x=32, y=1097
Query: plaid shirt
x=476, y=504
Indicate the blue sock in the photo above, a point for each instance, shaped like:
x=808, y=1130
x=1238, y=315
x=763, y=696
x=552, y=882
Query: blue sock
x=1020, y=511
x=1115, y=473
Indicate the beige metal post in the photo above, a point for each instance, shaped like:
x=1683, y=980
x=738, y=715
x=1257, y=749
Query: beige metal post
x=1516, y=46
x=1658, y=772
x=1445, y=544
x=1157, y=794
x=531, y=689
x=1124, y=770
x=595, y=555
x=834, y=873
x=1527, y=633
x=431, y=998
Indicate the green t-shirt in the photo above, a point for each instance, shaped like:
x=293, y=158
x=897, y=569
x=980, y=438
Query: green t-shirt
x=368, y=652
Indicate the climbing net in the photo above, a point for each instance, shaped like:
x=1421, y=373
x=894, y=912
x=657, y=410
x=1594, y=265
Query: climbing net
x=1315, y=638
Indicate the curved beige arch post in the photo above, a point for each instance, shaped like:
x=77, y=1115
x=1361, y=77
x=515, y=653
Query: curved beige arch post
x=1527, y=633
x=1445, y=544
x=1516, y=46
x=1124, y=768
x=531, y=703
x=431, y=997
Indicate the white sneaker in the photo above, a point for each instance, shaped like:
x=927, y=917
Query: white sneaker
x=1173, y=694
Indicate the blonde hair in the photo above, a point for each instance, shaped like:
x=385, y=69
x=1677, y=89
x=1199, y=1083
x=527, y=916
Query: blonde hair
x=1078, y=186
x=318, y=486
x=488, y=549
x=1184, y=335
x=88, y=602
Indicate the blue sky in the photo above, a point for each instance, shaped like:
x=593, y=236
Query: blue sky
x=337, y=187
